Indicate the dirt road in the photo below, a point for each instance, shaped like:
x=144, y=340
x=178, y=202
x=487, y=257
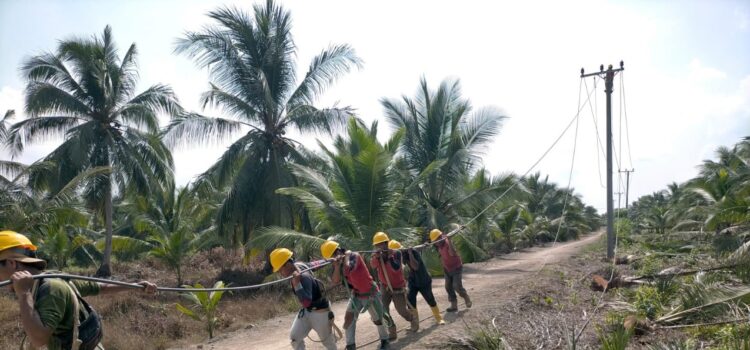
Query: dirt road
x=484, y=281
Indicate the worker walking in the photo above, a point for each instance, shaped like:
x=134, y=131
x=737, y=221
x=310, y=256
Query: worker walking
x=53, y=312
x=363, y=292
x=419, y=281
x=315, y=313
x=452, y=267
x=388, y=264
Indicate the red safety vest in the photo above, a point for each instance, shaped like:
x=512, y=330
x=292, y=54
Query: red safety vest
x=396, y=277
x=359, y=277
x=450, y=258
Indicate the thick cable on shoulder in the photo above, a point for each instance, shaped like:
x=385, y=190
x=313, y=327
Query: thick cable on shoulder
x=165, y=289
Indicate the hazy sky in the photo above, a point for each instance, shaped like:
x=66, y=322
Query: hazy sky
x=687, y=77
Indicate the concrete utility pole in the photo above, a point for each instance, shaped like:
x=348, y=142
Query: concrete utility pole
x=609, y=77
x=627, y=184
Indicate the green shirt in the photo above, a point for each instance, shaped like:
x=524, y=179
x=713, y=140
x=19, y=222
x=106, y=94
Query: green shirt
x=54, y=304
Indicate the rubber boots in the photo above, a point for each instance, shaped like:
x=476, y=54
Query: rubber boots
x=453, y=307
x=414, y=326
x=467, y=300
x=436, y=313
x=392, y=333
x=384, y=345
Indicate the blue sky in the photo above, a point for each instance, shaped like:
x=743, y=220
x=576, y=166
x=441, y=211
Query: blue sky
x=687, y=78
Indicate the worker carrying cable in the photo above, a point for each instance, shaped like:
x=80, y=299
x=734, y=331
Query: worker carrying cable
x=388, y=264
x=53, y=312
x=363, y=292
x=452, y=267
x=316, y=311
x=419, y=281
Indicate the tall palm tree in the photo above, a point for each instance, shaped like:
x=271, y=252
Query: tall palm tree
x=251, y=62
x=441, y=131
x=85, y=92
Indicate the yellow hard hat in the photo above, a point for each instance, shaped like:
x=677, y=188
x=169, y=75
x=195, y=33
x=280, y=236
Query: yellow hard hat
x=394, y=244
x=379, y=237
x=279, y=257
x=327, y=248
x=11, y=239
x=15, y=246
x=435, y=234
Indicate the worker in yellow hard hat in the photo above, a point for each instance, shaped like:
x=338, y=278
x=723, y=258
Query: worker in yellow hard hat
x=388, y=264
x=51, y=309
x=349, y=268
x=419, y=280
x=316, y=311
x=452, y=268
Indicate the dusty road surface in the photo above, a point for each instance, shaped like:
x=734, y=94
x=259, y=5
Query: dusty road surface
x=487, y=283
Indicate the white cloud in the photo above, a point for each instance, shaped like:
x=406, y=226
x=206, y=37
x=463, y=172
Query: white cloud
x=700, y=72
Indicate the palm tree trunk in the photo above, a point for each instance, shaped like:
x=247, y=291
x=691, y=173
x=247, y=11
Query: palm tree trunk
x=105, y=269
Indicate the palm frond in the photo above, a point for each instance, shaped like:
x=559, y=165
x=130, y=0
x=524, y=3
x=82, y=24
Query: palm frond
x=126, y=245
x=307, y=118
x=9, y=114
x=11, y=170
x=141, y=110
x=230, y=162
x=37, y=129
x=127, y=75
x=50, y=68
x=715, y=298
x=481, y=128
x=192, y=127
x=268, y=238
x=231, y=104
x=324, y=69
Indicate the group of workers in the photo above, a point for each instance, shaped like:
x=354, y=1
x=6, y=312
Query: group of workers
x=54, y=314
x=365, y=294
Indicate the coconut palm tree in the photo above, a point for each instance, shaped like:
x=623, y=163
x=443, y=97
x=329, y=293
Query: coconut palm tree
x=85, y=92
x=251, y=62
x=723, y=188
x=441, y=131
x=170, y=224
x=56, y=220
x=481, y=204
x=358, y=197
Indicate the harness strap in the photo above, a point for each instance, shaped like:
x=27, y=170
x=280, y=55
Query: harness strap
x=385, y=273
x=76, y=317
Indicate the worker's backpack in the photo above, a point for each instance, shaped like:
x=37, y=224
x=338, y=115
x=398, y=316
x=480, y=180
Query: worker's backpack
x=90, y=331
